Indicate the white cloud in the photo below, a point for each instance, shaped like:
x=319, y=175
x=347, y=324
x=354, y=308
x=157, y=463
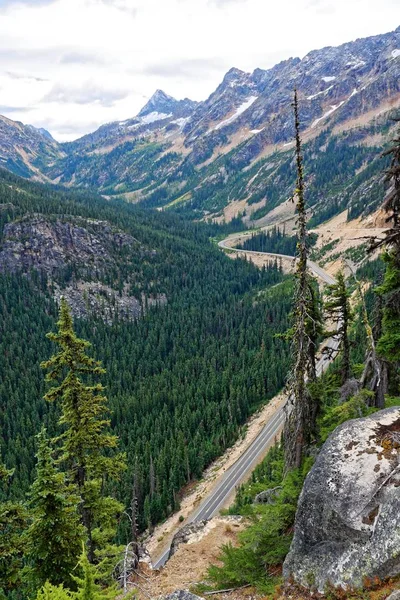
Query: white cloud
x=71, y=65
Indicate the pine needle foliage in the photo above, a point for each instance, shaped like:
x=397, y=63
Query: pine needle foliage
x=13, y=519
x=88, y=588
x=53, y=592
x=338, y=309
x=85, y=442
x=388, y=346
x=54, y=537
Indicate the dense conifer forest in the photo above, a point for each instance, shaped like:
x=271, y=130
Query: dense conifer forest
x=131, y=411
x=274, y=241
x=181, y=381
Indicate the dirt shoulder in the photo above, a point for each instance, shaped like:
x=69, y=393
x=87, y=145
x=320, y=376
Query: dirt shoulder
x=188, y=566
x=163, y=534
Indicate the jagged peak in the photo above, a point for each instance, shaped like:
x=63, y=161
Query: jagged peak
x=161, y=95
x=159, y=102
x=234, y=74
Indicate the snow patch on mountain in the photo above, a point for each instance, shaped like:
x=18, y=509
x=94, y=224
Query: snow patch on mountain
x=355, y=64
x=240, y=110
x=329, y=112
x=320, y=93
x=182, y=121
x=328, y=78
x=395, y=53
x=154, y=116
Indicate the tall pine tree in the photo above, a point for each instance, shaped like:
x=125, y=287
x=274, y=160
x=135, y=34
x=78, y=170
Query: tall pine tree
x=301, y=410
x=388, y=347
x=54, y=537
x=85, y=441
x=338, y=309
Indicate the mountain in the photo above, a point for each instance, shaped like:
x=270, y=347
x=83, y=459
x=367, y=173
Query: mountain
x=231, y=154
x=44, y=132
x=161, y=103
x=25, y=150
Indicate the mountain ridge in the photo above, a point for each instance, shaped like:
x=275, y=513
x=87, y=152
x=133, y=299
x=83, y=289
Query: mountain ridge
x=203, y=157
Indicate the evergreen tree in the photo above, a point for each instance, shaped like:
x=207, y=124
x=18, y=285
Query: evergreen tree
x=13, y=519
x=299, y=418
x=388, y=346
x=85, y=442
x=88, y=588
x=53, y=592
x=314, y=326
x=54, y=538
x=337, y=308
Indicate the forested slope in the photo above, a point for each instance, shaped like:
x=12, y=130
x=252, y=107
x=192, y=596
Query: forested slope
x=181, y=380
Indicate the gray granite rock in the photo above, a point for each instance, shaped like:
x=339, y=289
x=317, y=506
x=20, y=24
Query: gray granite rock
x=184, y=534
x=347, y=524
x=181, y=595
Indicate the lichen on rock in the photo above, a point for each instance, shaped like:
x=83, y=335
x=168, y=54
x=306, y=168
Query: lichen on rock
x=347, y=526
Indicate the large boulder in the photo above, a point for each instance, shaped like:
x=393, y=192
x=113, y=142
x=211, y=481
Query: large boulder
x=185, y=534
x=347, y=526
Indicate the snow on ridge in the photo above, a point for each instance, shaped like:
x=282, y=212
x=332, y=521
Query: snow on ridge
x=319, y=93
x=257, y=130
x=146, y=120
x=328, y=78
x=181, y=121
x=395, y=53
x=154, y=116
x=329, y=112
x=334, y=107
x=355, y=64
x=244, y=106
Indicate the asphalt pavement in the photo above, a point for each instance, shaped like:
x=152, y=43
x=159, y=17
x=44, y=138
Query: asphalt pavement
x=243, y=467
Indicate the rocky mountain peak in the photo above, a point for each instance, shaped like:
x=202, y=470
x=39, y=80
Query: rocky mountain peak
x=160, y=102
x=45, y=133
x=162, y=106
x=235, y=75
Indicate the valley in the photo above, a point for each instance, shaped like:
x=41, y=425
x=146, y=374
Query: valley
x=230, y=156
x=200, y=319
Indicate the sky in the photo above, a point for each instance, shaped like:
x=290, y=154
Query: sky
x=71, y=65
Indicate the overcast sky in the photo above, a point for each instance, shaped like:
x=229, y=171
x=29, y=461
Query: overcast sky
x=72, y=65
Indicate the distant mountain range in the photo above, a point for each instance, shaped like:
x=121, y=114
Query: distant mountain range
x=232, y=153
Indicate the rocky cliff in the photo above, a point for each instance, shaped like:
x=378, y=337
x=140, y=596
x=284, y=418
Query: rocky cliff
x=81, y=259
x=347, y=527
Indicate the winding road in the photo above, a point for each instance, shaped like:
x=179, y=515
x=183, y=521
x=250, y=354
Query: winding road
x=242, y=468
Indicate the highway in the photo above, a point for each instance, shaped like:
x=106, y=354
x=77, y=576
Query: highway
x=242, y=468
x=314, y=268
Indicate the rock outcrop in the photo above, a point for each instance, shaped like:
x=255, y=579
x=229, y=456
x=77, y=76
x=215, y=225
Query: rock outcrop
x=187, y=532
x=181, y=595
x=79, y=257
x=347, y=526
x=37, y=242
x=268, y=496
